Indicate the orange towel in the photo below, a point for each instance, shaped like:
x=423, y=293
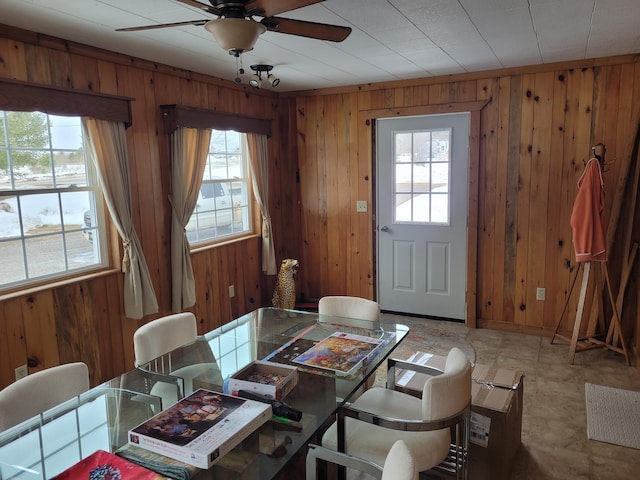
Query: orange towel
x=589, y=240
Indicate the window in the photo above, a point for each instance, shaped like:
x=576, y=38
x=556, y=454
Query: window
x=422, y=165
x=50, y=203
x=223, y=209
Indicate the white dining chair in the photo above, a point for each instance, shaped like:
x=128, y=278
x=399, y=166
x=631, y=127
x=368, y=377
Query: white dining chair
x=351, y=307
x=153, y=344
x=41, y=391
x=381, y=416
x=398, y=465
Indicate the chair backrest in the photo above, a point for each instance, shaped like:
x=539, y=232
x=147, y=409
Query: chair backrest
x=41, y=391
x=447, y=394
x=160, y=336
x=351, y=307
x=400, y=464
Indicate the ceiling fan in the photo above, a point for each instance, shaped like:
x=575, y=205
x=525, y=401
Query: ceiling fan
x=236, y=31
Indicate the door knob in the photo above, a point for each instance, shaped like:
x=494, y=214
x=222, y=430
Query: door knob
x=384, y=228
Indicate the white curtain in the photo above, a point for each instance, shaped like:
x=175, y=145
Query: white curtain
x=107, y=150
x=257, y=144
x=189, y=150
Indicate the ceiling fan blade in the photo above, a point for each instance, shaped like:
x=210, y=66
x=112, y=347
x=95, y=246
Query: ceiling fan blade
x=163, y=25
x=202, y=6
x=321, y=31
x=276, y=7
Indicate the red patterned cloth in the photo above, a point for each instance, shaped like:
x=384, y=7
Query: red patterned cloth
x=102, y=465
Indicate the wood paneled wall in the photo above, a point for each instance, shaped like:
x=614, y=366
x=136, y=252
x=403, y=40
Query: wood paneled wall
x=537, y=131
x=84, y=320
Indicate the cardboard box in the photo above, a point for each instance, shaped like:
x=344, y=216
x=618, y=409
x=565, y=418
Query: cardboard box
x=273, y=380
x=201, y=428
x=496, y=414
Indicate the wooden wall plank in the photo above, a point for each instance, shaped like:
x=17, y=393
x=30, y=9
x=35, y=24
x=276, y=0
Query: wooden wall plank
x=38, y=60
x=120, y=348
x=337, y=201
x=502, y=98
x=13, y=62
x=321, y=255
x=6, y=343
x=415, y=95
x=513, y=182
x=75, y=331
x=471, y=308
x=362, y=236
x=524, y=198
x=540, y=202
x=439, y=93
x=557, y=241
x=40, y=327
x=362, y=158
x=85, y=73
x=107, y=73
x=487, y=198
x=463, y=91
x=14, y=341
x=60, y=70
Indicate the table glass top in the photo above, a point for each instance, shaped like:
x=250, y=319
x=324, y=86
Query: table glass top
x=265, y=334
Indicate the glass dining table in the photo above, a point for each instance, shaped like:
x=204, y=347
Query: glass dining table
x=45, y=445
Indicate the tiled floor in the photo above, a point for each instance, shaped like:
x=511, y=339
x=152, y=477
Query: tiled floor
x=554, y=424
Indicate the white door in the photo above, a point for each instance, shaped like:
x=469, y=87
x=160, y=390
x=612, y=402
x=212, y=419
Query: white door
x=422, y=165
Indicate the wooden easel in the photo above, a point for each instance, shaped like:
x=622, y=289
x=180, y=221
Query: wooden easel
x=614, y=339
x=591, y=340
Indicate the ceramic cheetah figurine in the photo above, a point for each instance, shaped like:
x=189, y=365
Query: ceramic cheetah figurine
x=284, y=295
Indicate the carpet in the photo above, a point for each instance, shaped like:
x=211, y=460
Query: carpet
x=613, y=415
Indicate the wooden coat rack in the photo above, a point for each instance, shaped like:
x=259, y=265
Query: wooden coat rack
x=614, y=338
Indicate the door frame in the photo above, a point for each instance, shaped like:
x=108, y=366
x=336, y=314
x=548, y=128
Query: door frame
x=366, y=143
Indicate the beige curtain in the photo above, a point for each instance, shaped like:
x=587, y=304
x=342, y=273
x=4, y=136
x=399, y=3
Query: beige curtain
x=189, y=150
x=107, y=150
x=257, y=144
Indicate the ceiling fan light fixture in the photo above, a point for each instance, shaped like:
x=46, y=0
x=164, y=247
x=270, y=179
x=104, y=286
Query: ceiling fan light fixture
x=256, y=81
x=273, y=80
x=236, y=35
x=256, y=78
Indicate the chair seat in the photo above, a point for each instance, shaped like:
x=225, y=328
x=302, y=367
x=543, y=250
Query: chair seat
x=373, y=443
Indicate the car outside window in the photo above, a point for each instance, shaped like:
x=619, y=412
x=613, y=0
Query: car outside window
x=222, y=210
x=46, y=188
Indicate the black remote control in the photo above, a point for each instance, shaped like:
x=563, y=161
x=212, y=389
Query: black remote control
x=280, y=409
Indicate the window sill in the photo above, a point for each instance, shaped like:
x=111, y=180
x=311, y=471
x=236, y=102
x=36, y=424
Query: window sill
x=30, y=290
x=222, y=243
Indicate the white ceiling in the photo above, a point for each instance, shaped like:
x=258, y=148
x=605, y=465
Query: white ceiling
x=391, y=39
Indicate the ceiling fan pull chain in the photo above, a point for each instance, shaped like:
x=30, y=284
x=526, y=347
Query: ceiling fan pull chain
x=239, y=69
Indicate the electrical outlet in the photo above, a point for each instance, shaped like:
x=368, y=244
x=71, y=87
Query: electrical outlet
x=541, y=294
x=232, y=291
x=361, y=206
x=21, y=372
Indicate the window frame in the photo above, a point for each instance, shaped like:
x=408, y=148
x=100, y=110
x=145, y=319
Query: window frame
x=19, y=96
x=175, y=116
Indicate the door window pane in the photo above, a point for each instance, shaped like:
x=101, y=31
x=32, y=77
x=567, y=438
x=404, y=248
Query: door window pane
x=422, y=172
